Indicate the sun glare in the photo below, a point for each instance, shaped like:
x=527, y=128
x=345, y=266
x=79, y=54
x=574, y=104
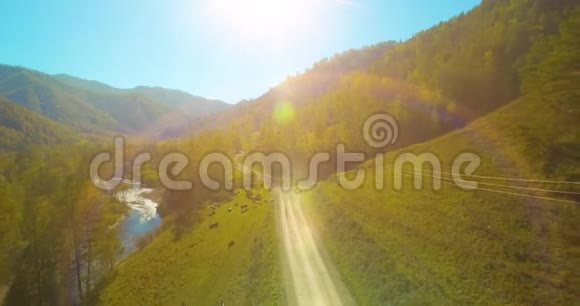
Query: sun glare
x=284, y=112
x=255, y=20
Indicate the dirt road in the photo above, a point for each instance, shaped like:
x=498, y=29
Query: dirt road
x=309, y=279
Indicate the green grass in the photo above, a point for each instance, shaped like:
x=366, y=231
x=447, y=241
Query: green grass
x=200, y=269
x=454, y=247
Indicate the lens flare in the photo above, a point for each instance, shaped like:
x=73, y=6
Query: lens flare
x=284, y=112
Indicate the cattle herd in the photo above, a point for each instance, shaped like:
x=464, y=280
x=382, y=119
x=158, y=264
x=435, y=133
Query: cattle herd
x=255, y=200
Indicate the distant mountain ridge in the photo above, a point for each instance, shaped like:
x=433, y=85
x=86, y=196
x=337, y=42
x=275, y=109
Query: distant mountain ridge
x=167, y=96
x=97, y=108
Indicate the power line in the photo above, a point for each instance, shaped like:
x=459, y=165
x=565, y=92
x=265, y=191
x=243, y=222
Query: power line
x=509, y=186
x=522, y=194
x=513, y=193
x=511, y=178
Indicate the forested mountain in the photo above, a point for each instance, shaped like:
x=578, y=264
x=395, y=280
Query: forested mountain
x=171, y=98
x=327, y=108
x=497, y=245
x=84, y=84
x=43, y=94
x=93, y=107
x=441, y=79
x=474, y=58
x=20, y=127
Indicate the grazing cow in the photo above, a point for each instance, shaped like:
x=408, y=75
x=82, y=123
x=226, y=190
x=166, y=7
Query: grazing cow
x=231, y=244
x=229, y=209
x=213, y=225
x=244, y=208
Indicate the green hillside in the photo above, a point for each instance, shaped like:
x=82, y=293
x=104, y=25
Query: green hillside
x=451, y=246
x=20, y=127
x=202, y=266
x=485, y=247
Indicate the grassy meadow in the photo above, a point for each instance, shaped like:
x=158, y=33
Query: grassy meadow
x=455, y=247
x=200, y=267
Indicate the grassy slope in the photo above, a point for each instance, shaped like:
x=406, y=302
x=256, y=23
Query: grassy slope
x=200, y=269
x=460, y=247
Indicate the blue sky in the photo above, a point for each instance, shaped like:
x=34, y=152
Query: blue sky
x=225, y=49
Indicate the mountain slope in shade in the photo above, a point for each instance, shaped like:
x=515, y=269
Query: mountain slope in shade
x=181, y=111
x=171, y=98
x=94, y=107
x=45, y=95
x=90, y=85
x=20, y=126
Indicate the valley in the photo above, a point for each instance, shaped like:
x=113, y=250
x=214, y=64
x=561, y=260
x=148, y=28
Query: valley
x=498, y=82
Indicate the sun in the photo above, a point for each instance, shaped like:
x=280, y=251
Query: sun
x=259, y=20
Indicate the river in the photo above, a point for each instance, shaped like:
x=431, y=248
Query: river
x=142, y=218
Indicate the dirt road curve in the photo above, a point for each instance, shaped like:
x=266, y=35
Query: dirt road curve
x=309, y=280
